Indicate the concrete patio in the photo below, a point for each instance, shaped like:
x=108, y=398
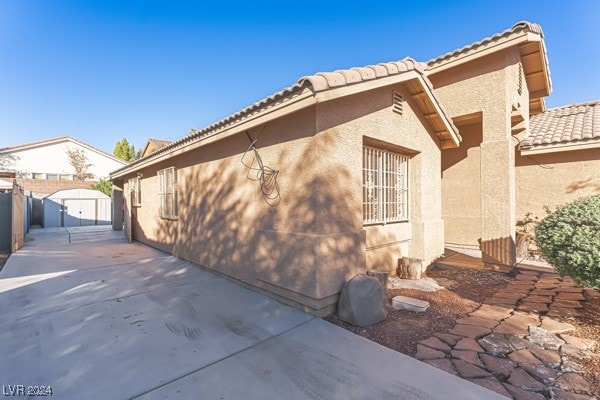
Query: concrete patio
x=95, y=317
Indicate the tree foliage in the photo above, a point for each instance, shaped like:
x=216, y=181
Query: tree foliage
x=103, y=186
x=124, y=150
x=570, y=240
x=79, y=161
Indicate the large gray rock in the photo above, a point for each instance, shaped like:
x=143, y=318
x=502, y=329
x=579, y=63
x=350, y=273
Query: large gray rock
x=362, y=301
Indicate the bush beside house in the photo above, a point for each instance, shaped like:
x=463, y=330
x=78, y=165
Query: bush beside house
x=569, y=239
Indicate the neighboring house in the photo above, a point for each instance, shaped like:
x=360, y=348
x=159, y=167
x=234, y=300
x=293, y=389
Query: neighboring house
x=351, y=170
x=154, y=144
x=43, y=167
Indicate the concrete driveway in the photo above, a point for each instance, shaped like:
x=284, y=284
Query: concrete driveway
x=94, y=317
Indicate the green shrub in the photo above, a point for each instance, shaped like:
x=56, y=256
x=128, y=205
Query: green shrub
x=569, y=239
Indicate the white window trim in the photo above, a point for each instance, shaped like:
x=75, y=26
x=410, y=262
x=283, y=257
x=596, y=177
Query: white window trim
x=165, y=191
x=385, y=186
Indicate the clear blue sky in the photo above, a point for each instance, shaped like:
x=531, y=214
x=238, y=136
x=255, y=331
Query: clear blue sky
x=103, y=70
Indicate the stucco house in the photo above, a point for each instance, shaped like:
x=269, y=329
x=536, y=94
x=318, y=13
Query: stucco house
x=350, y=170
x=276, y=196
x=43, y=167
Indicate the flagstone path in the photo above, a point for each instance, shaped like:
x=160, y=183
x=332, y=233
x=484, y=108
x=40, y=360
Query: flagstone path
x=518, y=343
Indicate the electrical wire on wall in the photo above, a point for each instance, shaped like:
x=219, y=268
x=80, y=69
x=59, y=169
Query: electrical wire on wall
x=258, y=171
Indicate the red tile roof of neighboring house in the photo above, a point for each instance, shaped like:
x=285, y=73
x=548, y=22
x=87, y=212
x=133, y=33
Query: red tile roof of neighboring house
x=575, y=123
x=159, y=143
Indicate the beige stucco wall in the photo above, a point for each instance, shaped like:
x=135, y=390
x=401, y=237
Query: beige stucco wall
x=461, y=188
x=344, y=125
x=555, y=178
x=485, y=89
x=305, y=248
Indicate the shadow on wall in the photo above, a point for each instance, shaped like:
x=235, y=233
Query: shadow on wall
x=224, y=223
x=584, y=184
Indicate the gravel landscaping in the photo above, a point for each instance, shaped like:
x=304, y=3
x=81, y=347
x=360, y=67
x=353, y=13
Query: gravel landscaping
x=529, y=335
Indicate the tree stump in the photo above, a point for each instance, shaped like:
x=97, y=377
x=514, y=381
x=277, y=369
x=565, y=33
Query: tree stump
x=409, y=268
x=381, y=275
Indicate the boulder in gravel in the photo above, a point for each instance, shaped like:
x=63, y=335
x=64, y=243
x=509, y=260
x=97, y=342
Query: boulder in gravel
x=362, y=301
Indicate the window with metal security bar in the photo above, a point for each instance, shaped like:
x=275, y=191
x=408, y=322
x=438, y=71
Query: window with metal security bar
x=135, y=191
x=168, y=193
x=385, y=186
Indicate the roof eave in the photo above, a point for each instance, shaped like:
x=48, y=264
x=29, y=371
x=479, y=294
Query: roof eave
x=439, y=120
x=560, y=147
x=517, y=39
x=450, y=136
x=298, y=102
x=478, y=52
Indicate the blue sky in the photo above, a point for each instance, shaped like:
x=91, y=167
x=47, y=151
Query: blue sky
x=103, y=70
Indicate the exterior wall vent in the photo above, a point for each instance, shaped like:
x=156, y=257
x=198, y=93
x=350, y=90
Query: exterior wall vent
x=398, y=103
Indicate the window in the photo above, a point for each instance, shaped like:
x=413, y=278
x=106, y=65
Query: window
x=135, y=191
x=66, y=177
x=168, y=193
x=37, y=175
x=385, y=186
x=52, y=177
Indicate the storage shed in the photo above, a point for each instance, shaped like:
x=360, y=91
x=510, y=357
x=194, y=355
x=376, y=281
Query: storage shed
x=77, y=207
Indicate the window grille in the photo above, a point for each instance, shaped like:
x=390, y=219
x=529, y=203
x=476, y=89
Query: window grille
x=385, y=186
x=168, y=193
x=135, y=190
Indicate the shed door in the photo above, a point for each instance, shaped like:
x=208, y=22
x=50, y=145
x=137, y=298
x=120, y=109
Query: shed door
x=79, y=212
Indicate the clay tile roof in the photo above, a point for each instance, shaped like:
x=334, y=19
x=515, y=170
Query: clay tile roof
x=329, y=80
x=566, y=124
x=517, y=28
x=316, y=83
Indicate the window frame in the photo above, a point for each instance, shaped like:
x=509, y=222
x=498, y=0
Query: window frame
x=381, y=192
x=135, y=191
x=168, y=190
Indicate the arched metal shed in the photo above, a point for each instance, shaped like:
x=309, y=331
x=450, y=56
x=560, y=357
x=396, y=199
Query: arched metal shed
x=77, y=207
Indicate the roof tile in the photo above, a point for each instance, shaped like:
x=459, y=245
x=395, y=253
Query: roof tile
x=516, y=28
x=316, y=83
x=566, y=124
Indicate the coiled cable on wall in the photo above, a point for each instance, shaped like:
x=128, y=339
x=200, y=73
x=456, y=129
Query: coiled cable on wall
x=258, y=171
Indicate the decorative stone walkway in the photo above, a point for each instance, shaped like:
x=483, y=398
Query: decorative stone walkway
x=517, y=343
